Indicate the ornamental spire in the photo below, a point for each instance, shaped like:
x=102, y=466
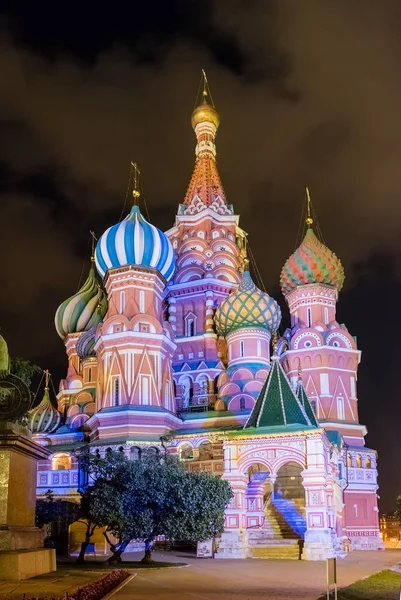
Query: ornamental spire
x=308, y=220
x=136, y=190
x=205, y=189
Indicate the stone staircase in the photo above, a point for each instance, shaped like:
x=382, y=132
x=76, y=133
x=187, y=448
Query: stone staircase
x=284, y=525
x=278, y=549
x=289, y=512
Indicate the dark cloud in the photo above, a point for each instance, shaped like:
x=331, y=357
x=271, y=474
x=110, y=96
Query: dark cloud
x=308, y=93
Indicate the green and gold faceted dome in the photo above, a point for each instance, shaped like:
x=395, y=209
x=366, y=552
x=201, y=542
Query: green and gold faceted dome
x=83, y=310
x=247, y=306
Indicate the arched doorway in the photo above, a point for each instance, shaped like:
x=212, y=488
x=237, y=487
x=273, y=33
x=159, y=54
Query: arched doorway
x=288, y=501
x=258, y=495
x=288, y=483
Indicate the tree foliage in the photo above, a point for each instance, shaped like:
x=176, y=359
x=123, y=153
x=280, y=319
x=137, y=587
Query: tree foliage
x=154, y=496
x=50, y=510
x=24, y=369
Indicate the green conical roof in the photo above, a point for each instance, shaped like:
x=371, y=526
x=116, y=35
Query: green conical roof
x=303, y=398
x=277, y=404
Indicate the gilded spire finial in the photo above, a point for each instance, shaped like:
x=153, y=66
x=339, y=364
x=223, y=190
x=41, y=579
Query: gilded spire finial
x=205, y=87
x=204, y=110
x=308, y=220
x=47, y=378
x=135, y=192
x=94, y=240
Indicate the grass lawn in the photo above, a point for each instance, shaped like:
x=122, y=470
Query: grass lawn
x=385, y=585
x=101, y=565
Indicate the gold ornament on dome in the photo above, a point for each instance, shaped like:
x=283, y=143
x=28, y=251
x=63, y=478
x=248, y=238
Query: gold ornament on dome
x=205, y=113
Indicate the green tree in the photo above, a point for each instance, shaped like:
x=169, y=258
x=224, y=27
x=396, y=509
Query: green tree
x=86, y=518
x=57, y=513
x=24, y=369
x=154, y=496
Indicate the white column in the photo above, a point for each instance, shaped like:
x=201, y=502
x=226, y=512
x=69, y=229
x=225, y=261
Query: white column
x=209, y=311
x=172, y=313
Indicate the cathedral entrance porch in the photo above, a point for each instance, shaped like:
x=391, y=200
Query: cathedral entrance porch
x=275, y=512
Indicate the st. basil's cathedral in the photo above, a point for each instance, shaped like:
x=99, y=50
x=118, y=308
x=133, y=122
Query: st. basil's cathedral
x=170, y=343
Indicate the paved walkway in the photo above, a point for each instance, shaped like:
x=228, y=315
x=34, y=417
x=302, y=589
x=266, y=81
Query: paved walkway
x=56, y=584
x=207, y=579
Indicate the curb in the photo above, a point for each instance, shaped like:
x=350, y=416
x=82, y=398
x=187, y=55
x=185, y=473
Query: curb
x=119, y=587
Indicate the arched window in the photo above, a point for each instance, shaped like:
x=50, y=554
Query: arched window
x=116, y=391
x=145, y=389
x=242, y=404
x=122, y=302
x=309, y=316
x=259, y=348
x=241, y=348
x=89, y=374
x=368, y=462
x=61, y=462
x=203, y=386
x=358, y=460
x=109, y=450
x=142, y=301
x=121, y=449
x=313, y=405
x=340, y=407
x=135, y=453
x=206, y=451
x=326, y=315
x=186, y=452
x=349, y=460
x=190, y=327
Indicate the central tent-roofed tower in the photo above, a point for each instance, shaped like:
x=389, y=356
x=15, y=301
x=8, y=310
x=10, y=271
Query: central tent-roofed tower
x=210, y=249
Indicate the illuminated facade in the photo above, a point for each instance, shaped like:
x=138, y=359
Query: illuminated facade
x=172, y=339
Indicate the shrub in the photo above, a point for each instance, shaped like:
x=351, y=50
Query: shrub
x=97, y=589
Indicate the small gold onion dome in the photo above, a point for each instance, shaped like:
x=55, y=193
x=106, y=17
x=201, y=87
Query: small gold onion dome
x=205, y=113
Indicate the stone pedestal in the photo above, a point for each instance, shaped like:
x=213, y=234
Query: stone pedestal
x=233, y=544
x=318, y=544
x=21, y=543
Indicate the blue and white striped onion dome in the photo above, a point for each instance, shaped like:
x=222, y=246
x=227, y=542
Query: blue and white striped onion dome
x=83, y=310
x=134, y=241
x=247, y=306
x=44, y=418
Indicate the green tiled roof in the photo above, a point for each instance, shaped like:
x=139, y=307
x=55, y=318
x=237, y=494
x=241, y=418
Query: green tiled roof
x=303, y=398
x=277, y=404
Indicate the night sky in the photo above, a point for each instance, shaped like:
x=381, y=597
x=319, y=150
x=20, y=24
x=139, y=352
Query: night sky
x=309, y=93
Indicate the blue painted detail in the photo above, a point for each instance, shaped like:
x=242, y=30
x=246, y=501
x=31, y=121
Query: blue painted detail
x=134, y=241
x=290, y=513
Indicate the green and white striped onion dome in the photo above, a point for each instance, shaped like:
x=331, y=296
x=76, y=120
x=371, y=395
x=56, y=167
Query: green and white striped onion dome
x=83, y=310
x=44, y=418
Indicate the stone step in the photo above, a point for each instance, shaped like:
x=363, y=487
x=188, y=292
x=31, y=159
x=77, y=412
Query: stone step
x=272, y=542
x=285, y=552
